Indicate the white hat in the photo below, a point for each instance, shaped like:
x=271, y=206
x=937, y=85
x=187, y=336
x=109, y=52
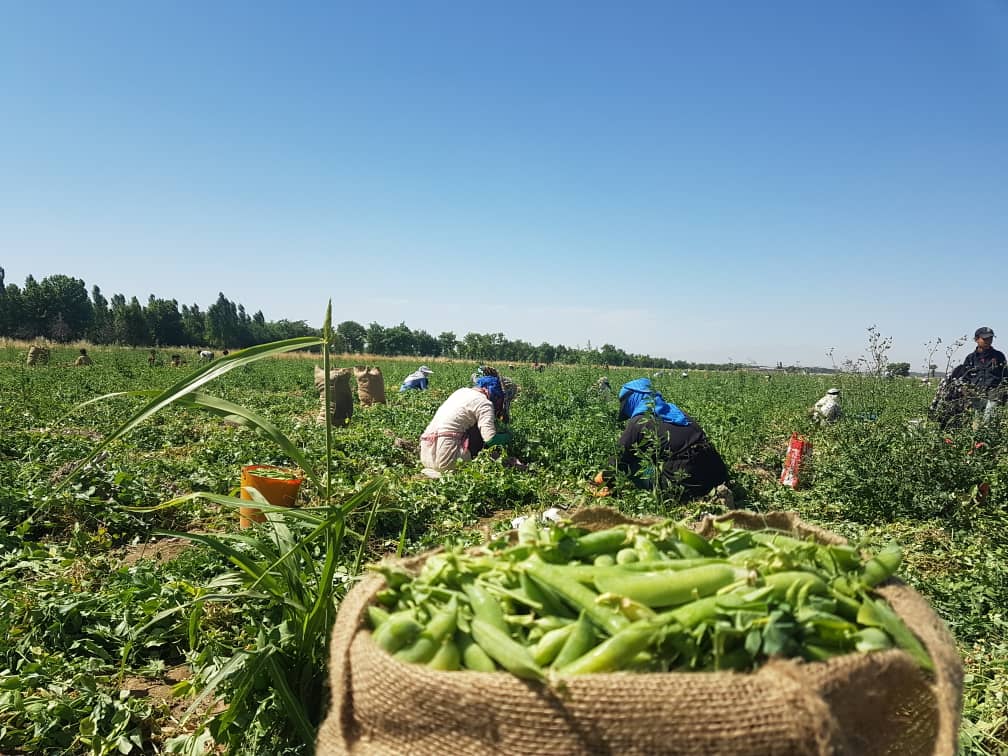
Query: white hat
x=425, y=370
x=833, y=391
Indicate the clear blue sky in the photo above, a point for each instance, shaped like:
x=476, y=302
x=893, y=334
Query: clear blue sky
x=704, y=181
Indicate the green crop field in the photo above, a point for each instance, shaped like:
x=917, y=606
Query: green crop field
x=135, y=616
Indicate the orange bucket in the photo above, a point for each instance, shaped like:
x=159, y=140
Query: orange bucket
x=278, y=491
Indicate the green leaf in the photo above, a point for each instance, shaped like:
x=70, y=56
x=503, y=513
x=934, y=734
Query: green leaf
x=187, y=385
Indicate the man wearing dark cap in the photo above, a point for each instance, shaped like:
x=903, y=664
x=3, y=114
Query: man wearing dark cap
x=985, y=371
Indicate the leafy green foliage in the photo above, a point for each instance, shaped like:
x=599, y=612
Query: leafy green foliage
x=79, y=620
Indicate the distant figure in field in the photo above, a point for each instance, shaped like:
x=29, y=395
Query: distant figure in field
x=177, y=361
x=417, y=380
x=82, y=359
x=685, y=374
x=985, y=375
x=205, y=355
x=827, y=409
x=603, y=388
x=152, y=358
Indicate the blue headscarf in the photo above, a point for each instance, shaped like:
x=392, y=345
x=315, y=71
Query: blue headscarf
x=492, y=385
x=639, y=396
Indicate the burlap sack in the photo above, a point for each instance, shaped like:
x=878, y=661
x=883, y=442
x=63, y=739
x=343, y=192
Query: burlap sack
x=340, y=397
x=37, y=355
x=370, y=385
x=854, y=705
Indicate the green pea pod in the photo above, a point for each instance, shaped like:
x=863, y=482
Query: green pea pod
x=749, y=556
x=399, y=630
x=586, y=573
x=577, y=595
x=846, y=557
x=615, y=652
x=695, y=541
x=474, y=657
x=440, y=628
x=551, y=643
x=484, y=605
x=448, y=658
x=694, y=613
x=627, y=555
x=376, y=616
x=646, y=550
x=604, y=560
x=551, y=622
x=581, y=640
x=778, y=538
x=552, y=605
x=504, y=650
x=879, y=614
x=394, y=575
x=661, y=589
x=600, y=542
x=846, y=606
x=789, y=586
x=882, y=566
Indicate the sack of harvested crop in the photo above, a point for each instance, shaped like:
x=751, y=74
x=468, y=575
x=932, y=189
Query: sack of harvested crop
x=880, y=702
x=37, y=355
x=340, y=396
x=370, y=385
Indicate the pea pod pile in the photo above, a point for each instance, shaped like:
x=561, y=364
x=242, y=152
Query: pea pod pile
x=559, y=601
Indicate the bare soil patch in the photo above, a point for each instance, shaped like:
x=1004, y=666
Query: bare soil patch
x=161, y=551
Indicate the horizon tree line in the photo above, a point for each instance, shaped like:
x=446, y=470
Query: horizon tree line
x=60, y=308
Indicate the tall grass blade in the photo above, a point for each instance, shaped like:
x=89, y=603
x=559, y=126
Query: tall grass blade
x=209, y=372
x=293, y=707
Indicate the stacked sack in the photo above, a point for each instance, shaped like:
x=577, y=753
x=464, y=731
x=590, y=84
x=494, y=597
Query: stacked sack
x=370, y=385
x=340, y=396
x=38, y=355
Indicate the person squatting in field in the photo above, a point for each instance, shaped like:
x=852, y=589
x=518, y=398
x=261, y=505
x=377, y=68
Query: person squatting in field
x=462, y=426
x=827, y=409
x=416, y=380
x=690, y=466
x=508, y=386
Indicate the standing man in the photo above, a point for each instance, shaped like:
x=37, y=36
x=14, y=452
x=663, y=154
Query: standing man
x=984, y=371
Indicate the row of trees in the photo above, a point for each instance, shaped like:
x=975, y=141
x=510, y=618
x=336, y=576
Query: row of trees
x=353, y=337
x=59, y=308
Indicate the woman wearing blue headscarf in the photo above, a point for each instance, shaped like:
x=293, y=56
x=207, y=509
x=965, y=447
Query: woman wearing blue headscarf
x=659, y=434
x=462, y=426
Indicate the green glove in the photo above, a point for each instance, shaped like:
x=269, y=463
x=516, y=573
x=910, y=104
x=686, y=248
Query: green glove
x=501, y=439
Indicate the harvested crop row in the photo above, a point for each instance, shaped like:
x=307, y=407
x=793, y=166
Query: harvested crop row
x=555, y=602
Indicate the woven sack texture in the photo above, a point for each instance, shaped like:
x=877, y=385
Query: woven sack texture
x=340, y=396
x=370, y=385
x=853, y=705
